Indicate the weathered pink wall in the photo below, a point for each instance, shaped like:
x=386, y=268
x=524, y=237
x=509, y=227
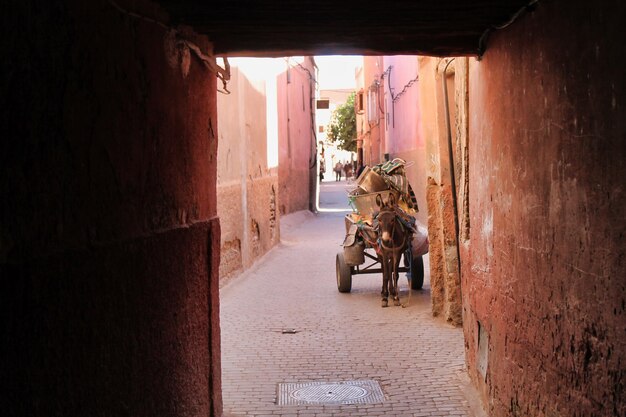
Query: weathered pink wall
x=403, y=130
x=247, y=186
x=108, y=236
x=404, y=134
x=296, y=141
x=544, y=271
x=373, y=132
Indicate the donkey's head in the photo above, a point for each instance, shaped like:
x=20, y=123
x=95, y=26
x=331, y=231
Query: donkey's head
x=386, y=219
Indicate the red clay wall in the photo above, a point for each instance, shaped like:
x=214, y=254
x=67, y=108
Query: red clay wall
x=246, y=189
x=295, y=138
x=544, y=270
x=109, y=278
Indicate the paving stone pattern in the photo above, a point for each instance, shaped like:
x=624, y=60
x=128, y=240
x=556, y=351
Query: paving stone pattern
x=284, y=321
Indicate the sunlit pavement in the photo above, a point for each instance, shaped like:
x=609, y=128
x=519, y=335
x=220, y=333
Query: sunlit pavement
x=333, y=195
x=284, y=321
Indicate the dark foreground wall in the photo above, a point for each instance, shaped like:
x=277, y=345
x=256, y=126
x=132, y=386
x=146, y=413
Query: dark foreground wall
x=544, y=273
x=108, y=286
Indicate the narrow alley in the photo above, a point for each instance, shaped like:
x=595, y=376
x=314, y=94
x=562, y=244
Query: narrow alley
x=284, y=321
x=159, y=161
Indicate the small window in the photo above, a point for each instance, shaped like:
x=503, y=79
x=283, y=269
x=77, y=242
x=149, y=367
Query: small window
x=360, y=103
x=322, y=104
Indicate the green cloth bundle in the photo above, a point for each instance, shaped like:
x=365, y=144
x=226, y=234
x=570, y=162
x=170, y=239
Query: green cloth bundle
x=394, y=174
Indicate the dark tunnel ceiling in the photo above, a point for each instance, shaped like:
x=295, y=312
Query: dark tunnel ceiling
x=280, y=27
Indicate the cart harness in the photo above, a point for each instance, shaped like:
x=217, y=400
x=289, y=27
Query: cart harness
x=376, y=243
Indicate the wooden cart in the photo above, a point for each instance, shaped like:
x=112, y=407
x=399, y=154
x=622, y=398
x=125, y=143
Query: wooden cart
x=364, y=260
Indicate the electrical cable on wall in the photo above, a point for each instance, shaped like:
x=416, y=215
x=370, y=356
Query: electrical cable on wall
x=404, y=89
x=207, y=59
x=386, y=73
x=311, y=77
x=382, y=78
x=396, y=97
x=408, y=85
x=482, y=42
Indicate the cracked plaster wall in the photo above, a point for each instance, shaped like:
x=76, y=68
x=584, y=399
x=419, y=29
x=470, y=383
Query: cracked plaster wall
x=246, y=190
x=296, y=138
x=544, y=267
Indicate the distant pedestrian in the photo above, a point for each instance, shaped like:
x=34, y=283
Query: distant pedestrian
x=347, y=169
x=338, y=169
x=359, y=171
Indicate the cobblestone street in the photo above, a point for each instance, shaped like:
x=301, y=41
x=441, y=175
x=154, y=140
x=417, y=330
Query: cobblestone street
x=283, y=321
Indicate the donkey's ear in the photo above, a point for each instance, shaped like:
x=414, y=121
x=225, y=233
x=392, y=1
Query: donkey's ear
x=379, y=201
x=391, y=200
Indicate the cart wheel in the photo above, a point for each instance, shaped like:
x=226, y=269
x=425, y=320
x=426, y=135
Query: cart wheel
x=416, y=271
x=344, y=275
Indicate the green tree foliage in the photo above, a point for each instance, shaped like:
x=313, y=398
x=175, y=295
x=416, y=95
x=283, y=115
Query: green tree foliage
x=342, y=127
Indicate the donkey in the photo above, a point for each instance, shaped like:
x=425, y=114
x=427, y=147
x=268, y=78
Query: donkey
x=393, y=240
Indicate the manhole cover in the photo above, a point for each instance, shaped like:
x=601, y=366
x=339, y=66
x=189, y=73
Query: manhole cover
x=345, y=392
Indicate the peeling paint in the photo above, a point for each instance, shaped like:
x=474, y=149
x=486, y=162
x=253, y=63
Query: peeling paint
x=487, y=231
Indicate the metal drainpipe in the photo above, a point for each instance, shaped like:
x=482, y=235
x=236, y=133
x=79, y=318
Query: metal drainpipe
x=451, y=163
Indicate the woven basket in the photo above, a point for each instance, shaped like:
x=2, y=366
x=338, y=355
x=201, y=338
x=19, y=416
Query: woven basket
x=365, y=204
x=371, y=182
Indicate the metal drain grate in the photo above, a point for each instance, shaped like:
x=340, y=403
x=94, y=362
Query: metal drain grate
x=330, y=393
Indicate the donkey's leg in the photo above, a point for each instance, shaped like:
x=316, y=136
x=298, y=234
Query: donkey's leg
x=395, y=276
x=386, y=275
x=382, y=267
x=391, y=278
